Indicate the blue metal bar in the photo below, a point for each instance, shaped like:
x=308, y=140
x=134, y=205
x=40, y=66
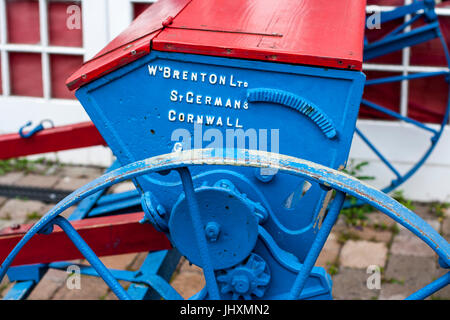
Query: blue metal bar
x=402, y=11
x=124, y=275
x=20, y=290
x=124, y=204
x=116, y=197
x=197, y=225
x=85, y=206
x=428, y=290
x=378, y=153
x=162, y=263
x=315, y=173
x=79, y=213
x=397, y=115
x=92, y=258
x=403, y=26
x=317, y=246
x=154, y=274
x=406, y=77
x=401, y=41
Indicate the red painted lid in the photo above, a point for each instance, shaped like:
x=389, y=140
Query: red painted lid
x=308, y=32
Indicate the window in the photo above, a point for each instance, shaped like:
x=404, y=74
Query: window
x=422, y=99
x=40, y=46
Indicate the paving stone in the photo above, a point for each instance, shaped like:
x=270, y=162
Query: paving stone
x=423, y=210
x=351, y=284
x=110, y=296
x=188, y=283
x=406, y=274
x=92, y=288
x=81, y=172
x=120, y=262
x=138, y=261
x=410, y=245
x=68, y=212
x=122, y=187
x=3, y=200
x=361, y=254
x=52, y=281
x=38, y=181
x=11, y=178
x=370, y=234
x=6, y=289
x=184, y=266
x=19, y=211
x=6, y=223
x=69, y=183
x=330, y=252
x=378, y=219
x=5, y=285
x=446, y=226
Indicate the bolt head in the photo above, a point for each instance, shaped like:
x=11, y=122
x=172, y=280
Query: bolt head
x=212, y=231
x=240, y=284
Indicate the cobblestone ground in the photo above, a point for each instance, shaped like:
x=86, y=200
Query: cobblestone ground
x=406, y=263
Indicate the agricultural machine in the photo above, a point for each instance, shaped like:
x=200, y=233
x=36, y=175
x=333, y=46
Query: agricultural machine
x=234, y=122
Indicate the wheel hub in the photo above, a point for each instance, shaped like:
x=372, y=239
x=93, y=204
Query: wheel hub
x=230, y=224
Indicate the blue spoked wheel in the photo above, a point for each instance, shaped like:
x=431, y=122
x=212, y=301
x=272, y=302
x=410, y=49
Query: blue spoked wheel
x=251, y=277
x=400, y=38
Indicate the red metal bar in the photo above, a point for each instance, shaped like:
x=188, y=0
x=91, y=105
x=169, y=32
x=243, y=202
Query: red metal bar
x=68, y=137
x=106, y=236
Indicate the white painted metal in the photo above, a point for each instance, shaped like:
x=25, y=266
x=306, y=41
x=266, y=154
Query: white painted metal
x=4, y=56
x=43, y=23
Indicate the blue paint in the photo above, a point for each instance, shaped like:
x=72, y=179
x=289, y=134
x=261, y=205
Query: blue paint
x=394, y=41
x=280, y=261
x=315, y=108
x=33, y=131
x=277, y=219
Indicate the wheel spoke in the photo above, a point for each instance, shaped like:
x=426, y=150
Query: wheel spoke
x=92, y=258
x=428, y=290
x=403, y=26
x=406, y=77
x=397, y=115
x=317, y=245
x=378, y=153
x=199, y=232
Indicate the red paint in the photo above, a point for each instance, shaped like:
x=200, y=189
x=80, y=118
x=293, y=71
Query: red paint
x=26, y=74
x=58, y=33
x=427, y=97
x=386, y=95
x=106, y=236
x=61, y=67
x=72, y=136
x=311, y=32
x=23, y=21
x=128, y=46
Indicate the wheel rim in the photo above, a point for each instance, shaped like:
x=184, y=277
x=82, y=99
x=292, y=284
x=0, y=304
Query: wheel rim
x=386, y=45
x=326, y=177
